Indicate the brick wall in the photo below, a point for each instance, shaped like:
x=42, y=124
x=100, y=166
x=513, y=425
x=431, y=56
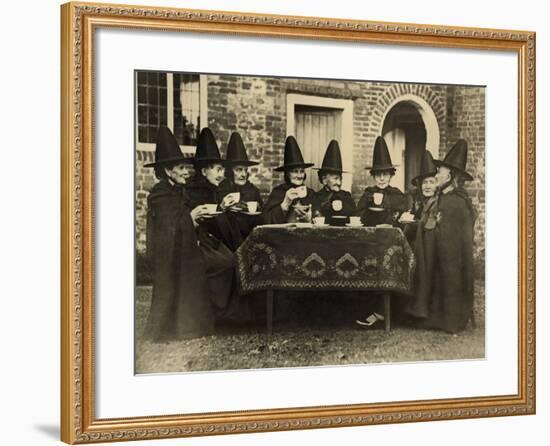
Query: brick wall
x=145, y=179
x=256, y=108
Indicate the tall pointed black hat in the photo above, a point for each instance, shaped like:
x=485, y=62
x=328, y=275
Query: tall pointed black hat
x=293, y=156
x=332, y=162
x=427, y=168
x=457, y=158
x=167, y=149
x=207, y=148
x=236, y=152
x=381, y=159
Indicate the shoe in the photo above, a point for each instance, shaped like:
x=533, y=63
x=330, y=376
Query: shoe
x=370, y=320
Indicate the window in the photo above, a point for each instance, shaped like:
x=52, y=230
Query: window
x=177, y=100
x=152, y=104
x=186, y=108
x=338, y=126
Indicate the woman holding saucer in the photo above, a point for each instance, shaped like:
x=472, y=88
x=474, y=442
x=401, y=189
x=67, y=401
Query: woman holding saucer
x=381, y=203
x=246, y=212
x=291, y=201
x=204, y=190
x=331, y=201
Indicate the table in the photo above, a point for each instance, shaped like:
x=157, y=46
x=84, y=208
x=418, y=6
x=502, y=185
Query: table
x=306, y=257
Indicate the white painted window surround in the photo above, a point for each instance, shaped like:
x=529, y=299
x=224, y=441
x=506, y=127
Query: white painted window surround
x=346, y=138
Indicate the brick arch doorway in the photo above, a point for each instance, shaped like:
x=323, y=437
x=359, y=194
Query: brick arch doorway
x=409, y=127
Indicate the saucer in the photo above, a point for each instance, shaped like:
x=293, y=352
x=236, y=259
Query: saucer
x=320, y=226
x=251, y=213
x=349, y=225
x=376, y=209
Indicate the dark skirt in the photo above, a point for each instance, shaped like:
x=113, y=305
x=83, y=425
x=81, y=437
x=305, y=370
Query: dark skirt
x=220, y=267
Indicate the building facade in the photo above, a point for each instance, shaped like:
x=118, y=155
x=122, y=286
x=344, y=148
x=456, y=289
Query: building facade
x=264, y=110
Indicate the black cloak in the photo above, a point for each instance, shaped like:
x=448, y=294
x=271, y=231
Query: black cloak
x=201, y=191
x=323, y=199
x=394, y=203
x=180, y=306
x=249, y=192
x=273, y=213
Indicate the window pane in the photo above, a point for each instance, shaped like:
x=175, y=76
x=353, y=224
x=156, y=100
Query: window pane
x=151, y=97
x=186, y=108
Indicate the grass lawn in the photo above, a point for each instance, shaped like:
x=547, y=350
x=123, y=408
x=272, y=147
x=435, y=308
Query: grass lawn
x=322, y=332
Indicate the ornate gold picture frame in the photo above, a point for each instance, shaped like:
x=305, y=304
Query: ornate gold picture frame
x=80, y=22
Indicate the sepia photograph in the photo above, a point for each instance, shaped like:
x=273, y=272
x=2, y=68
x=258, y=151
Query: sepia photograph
x=299, y=222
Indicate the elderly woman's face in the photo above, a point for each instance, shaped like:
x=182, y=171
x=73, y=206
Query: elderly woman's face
x=443, y=175
x=180, y=173
x=333, y=181
x=429, y=185
x=240, y=175
x=297, y=176
x=214, y=173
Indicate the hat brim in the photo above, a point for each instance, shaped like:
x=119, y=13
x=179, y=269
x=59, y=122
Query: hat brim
x=241, y=163
x=293, y=166
x=330, y=170
x=420, y=178
x=184, y=159
x=458, y=169
x=221, y=161
x=381, y=168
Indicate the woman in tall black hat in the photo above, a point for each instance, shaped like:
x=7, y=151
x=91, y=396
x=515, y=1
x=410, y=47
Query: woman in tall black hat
x=290, y=201
x=381, y=203
x=180, y=306
x=425, y=212
x=452, y=295
x=218, y=236
x=247, y=211
x=204, y=189
x=423, y=194
x=331, y=201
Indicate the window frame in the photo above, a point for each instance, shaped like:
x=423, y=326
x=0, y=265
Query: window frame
x=203, y=113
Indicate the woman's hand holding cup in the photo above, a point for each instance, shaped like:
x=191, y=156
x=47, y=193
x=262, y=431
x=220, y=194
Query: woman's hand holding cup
x=290, y=195
x=229, y=200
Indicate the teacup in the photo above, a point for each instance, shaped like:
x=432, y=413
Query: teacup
x=302, y=191
x=319, y=221
x=337, y=205
x=355, y=221
x=211, y=208
x=378, y=197
x=252, y=206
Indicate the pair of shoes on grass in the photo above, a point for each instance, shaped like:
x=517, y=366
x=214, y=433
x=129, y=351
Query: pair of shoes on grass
x=370, y=320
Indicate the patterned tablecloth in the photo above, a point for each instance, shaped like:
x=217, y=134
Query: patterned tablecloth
x=343, y=258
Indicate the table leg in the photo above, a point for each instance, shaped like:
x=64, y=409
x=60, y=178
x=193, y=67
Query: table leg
x=387, y=311
x=269, y=313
